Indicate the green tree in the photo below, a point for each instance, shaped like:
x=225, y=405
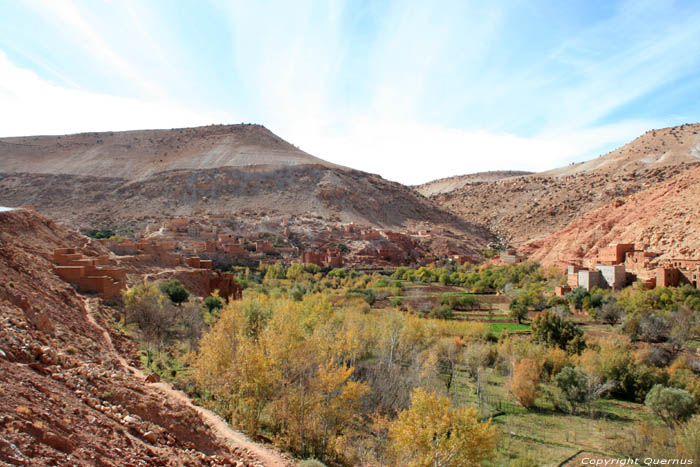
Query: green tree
x=577, y=297
x=574, y=384
x=214, y=303
x=519, y=306
x=550, y=329
x=672, y=404
x=175, y=291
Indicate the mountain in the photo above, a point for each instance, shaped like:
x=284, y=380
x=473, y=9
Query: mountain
x=531, y=207
x=243, y=173
x=136, y=155
x=666, y=217
x=446, y=185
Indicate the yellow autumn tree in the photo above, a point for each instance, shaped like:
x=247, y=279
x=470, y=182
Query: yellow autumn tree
x=524, y=384
x=430, y=433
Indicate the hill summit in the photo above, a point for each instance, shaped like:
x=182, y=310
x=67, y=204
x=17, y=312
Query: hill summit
x=136, y=155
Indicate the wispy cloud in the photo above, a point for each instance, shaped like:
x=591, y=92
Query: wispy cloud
x=31, y=105
x=405, y=89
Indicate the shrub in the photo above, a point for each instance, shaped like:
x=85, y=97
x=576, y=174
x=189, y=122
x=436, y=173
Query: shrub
x=311, y=463
x=610, y=313
x=550, y=329
x=441, y=312
x=175, y=291
x=213, y=302
x=524, y=385
x=688, y=439
x=671, y=404
x=574, y=384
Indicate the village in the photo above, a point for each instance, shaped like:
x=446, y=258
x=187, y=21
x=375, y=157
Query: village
x=622, y=264
x=200, y=250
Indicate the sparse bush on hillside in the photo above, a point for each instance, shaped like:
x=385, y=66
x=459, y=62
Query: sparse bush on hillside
x=672, y=404
x=175, y=291
x=550, y=329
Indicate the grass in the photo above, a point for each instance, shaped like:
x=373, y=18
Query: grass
x=545, y=436
x=510, y=327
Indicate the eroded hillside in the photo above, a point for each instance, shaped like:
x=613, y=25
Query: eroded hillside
x=134, y=155
x=531, y=207
x=69, y=394
x=666, y=217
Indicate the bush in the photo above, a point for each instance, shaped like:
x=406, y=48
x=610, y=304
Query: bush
x=213, y=302
x=688, y=439
x=672, y=404
x=574, y=384
x=441, y=312
x=175, y=291
x=550, y=329
x=524, y=384
x=610, y=313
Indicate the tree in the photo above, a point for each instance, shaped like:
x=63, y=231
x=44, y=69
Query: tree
x=550, y=329
x=577, y=297
x=610, y=313
x=524, y=385
x=213, y=303
x=432, y=434
x=146, y=305
x=175, y=291
x=518, y=307
x=574, y=384
x=672, y=404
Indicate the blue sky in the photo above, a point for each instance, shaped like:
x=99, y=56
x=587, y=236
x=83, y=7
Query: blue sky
x=410, y=90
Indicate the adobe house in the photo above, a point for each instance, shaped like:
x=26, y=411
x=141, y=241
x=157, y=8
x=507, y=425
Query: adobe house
x=572, y=275
x=87, y=273
x=561, y=290
x=589, y=279
x=615, y=253
x=613, y=276
x=667, y=277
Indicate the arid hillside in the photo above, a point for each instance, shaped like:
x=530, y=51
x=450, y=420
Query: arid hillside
x=446, y=185
x=136, y=155
x=665, y=216
x=531, y=207
x=129, y=180
x=69, y=392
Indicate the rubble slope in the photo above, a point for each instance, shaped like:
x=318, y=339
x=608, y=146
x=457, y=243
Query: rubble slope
x=68, y=393
x=666, y=217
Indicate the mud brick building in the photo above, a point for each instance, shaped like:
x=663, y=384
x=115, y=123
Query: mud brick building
x=89, y=274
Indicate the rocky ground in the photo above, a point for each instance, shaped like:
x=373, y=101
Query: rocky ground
x=665, y=216
x=69, y=392
x=525, y=208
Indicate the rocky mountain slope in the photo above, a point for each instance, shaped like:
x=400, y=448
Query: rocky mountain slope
x=665, y=216
x=69, y=394
x=446, y=185
x=530, y=207
x=118, y=180
x=136, y=155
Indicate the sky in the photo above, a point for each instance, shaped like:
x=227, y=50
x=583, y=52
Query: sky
x=411, y=90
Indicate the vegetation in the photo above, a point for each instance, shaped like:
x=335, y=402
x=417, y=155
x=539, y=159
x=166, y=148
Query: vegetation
x=175, y=291
x=430, y=432
x=341, y=367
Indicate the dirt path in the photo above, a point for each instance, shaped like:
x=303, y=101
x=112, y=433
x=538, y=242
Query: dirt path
x=268, y=457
